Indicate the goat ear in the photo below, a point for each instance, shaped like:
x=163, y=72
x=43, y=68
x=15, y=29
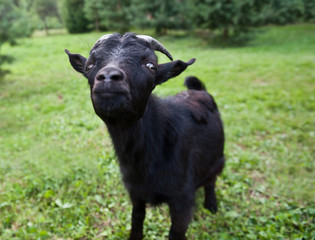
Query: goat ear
x=77, y=61
x=172, y=69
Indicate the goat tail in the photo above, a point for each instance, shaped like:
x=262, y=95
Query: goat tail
x=194, y=83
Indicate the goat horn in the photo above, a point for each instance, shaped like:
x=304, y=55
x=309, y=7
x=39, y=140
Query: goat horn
x=156, y=45
x=102, y=38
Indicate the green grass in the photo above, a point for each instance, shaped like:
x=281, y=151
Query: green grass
x=59, y=178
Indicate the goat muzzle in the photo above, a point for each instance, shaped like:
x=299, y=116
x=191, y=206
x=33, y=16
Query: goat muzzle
x=108, y=74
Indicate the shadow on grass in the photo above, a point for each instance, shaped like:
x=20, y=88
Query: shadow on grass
x=214, y=39
x=4, y=72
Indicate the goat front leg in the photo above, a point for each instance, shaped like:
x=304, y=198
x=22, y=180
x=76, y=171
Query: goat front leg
x=181, y=214
x=138, y=215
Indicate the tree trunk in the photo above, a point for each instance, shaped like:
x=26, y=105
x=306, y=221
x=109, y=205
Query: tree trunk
x=97, y=24
x=225, y=34
x=45, y=27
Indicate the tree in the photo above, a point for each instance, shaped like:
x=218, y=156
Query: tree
x=309, y=10
x=14, y=24
x=74, y=17
x=108, y=14
x=161, y=14
x=92, y=10
x=46, y=8
x=227, y=16
x=286, y=11
x=236, y=17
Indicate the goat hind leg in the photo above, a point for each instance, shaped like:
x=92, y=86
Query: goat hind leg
x=210, y=197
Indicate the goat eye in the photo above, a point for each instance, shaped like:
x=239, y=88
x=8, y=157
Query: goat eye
x=90, y=66
x=151, y=66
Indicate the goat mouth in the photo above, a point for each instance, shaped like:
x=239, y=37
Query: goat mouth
x=108, y=94
x=109, y=101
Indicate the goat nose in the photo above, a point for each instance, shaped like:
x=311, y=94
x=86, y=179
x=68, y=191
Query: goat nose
x=110, y=74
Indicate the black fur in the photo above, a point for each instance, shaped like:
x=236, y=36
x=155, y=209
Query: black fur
x=167, y=148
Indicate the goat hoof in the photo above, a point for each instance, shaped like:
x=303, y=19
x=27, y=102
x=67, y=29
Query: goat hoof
x=212, y=208
x=137, y=236
x=177, y=238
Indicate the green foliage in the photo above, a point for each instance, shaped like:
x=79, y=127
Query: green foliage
x=108, y=14
x=14, y=24
x=286, y=11
x=309, y=10
x=59, y=178
x=45, y=9
x=235, y=19
x=161, y=14
x=228, y=16
x=231, y=20
x=74, y=17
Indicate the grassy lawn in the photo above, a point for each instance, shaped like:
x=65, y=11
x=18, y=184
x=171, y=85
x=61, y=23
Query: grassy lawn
x=59, y=178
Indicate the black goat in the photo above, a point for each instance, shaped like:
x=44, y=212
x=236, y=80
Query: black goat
x=167, y=148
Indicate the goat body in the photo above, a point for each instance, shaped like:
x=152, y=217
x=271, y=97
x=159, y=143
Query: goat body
x=167, y=148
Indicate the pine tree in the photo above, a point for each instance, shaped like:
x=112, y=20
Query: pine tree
x=161, y=14
x=74, y=17
x=309, y=10
x=108, y=14
x=235, y=18
x=227, y=16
